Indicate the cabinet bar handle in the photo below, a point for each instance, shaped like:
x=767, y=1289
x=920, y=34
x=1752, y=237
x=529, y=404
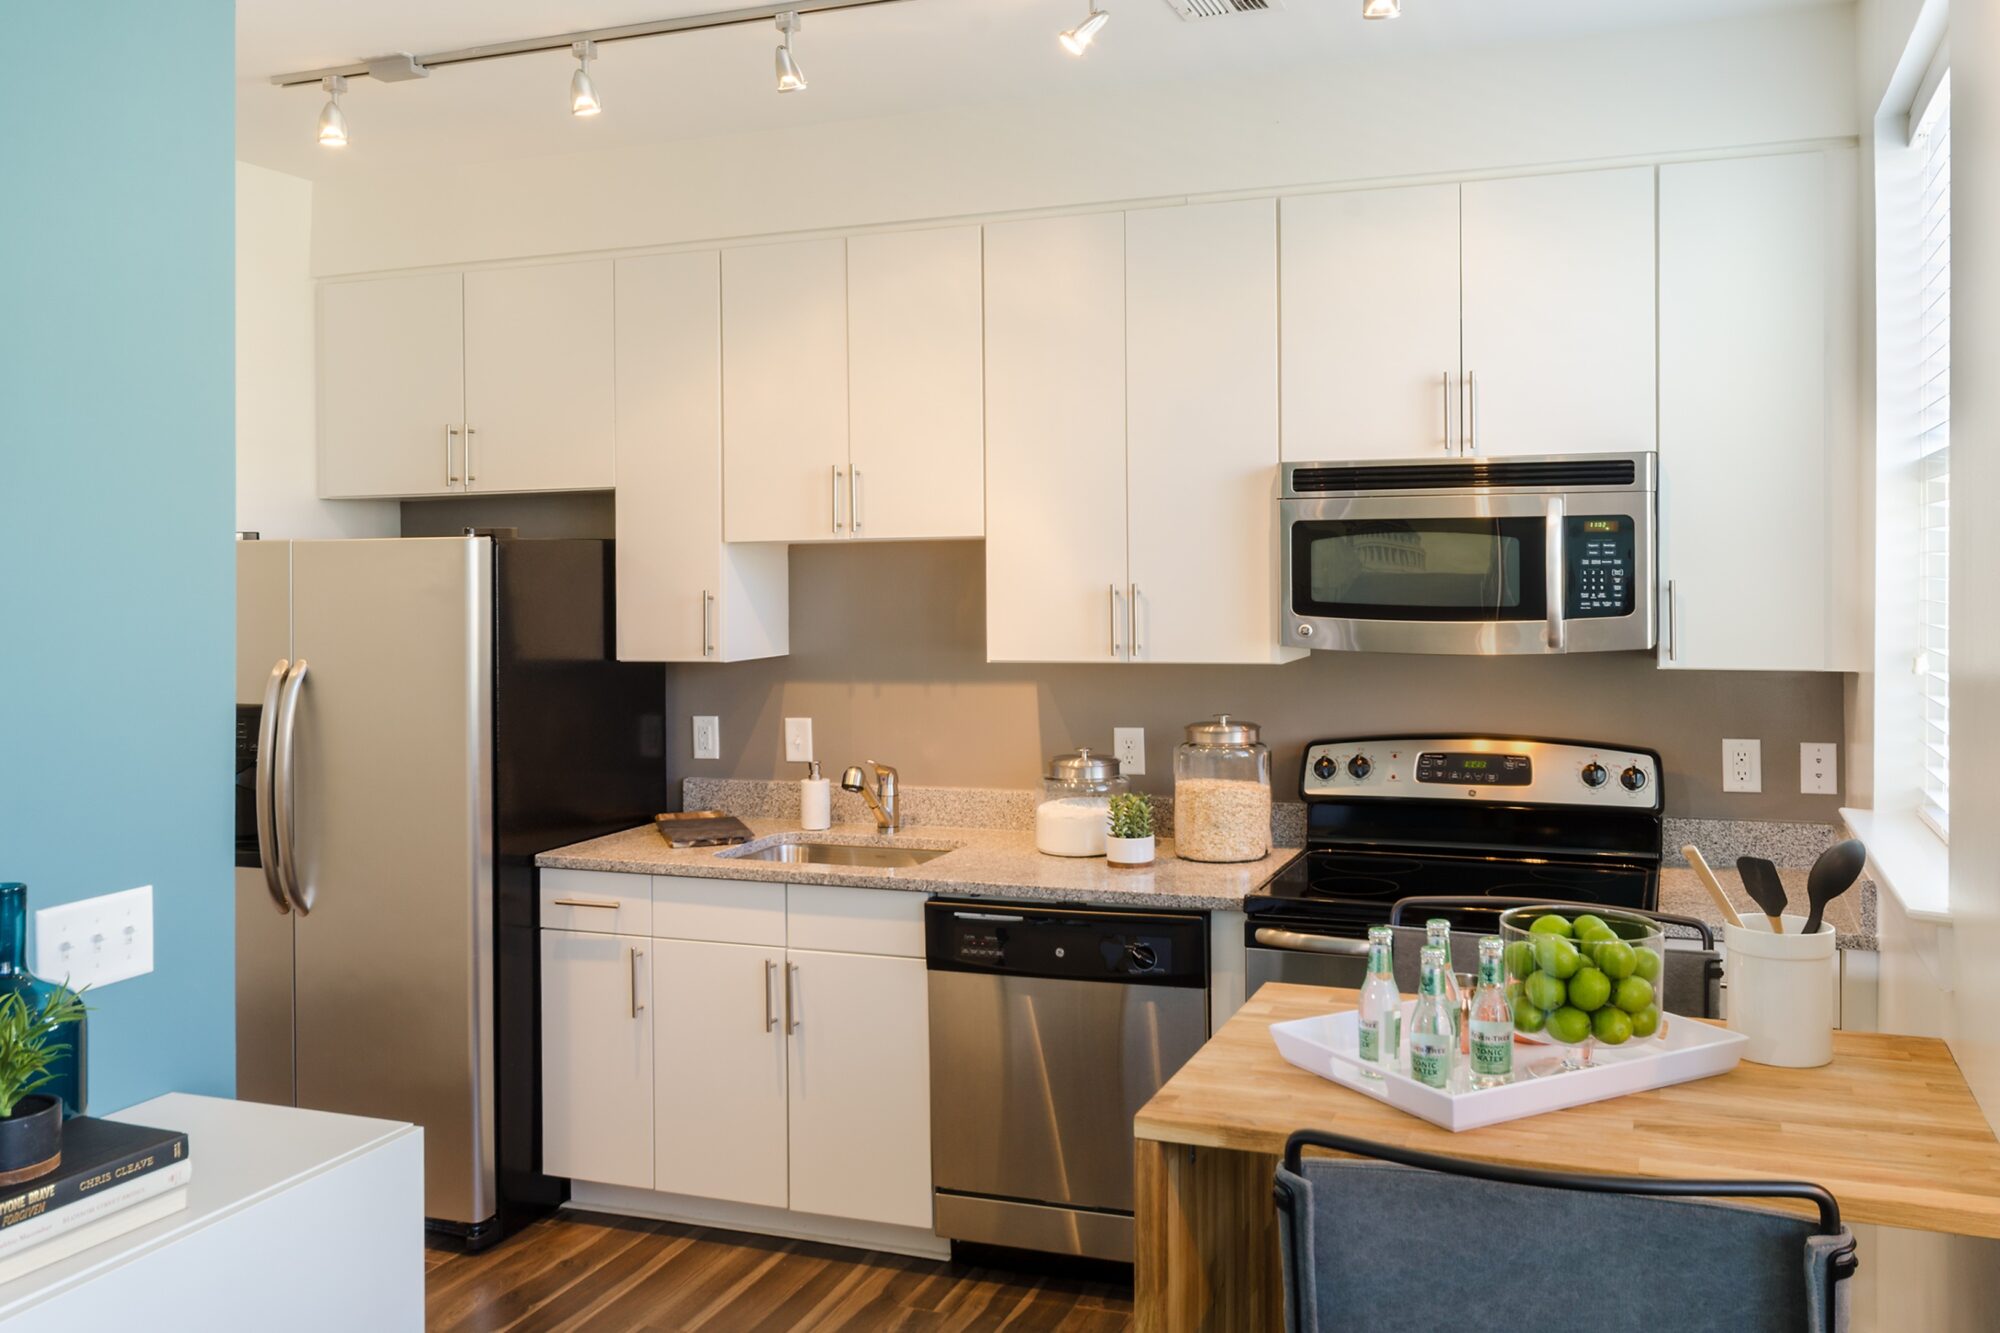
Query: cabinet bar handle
x=582, y=902
x=1447, y=411
x=637, y=1004
x=707, y=623
x=1673, y=623
x=833, y=495
x=450, y=454
x=469, y=475
x=1472, y=418
x=1115, y=612
x=1132, y=614
x=770, y=1016
x=854, y=498
x=792, y=1021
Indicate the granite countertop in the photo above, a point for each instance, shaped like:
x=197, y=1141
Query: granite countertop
x=981, y=863
x=1852, y=914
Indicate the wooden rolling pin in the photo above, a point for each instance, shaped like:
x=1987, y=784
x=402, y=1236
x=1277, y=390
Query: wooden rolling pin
x=1712, y=884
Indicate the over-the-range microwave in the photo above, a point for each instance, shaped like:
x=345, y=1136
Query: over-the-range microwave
x=1489, y=556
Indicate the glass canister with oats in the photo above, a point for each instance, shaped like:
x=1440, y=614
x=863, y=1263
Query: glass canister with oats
x=1222, y=792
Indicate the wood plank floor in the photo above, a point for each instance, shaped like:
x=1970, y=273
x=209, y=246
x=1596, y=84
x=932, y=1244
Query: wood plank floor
x=608, y=1275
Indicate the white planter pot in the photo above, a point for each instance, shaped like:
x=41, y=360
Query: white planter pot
x=1129, y=851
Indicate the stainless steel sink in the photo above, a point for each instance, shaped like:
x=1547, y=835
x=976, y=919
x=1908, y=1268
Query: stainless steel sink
x=845, y=854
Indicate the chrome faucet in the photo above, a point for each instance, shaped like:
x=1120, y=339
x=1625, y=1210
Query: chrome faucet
x=886, y=819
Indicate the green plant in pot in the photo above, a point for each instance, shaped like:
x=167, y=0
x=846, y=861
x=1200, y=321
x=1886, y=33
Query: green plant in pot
x=31, y=1120
x=1128, y=837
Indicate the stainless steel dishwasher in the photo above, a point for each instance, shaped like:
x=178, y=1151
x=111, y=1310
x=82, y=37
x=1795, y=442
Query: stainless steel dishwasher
x=1050, y=1027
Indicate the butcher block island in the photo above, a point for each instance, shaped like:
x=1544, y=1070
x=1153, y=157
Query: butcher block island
x=1890, y=1127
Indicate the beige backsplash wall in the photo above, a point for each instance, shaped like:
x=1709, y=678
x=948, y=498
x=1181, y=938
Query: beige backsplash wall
x=888, y=660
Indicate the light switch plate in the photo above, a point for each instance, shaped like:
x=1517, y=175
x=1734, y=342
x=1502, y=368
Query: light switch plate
x=1742, y=765
x=1819, y=768
x=708, y=738
x=798, y=740
x=96, y=941
x=1129, y=743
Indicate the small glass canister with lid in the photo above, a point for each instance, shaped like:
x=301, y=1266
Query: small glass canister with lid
x=1222, y=792
x=1077, y=803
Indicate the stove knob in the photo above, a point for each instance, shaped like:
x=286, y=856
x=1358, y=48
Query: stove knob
x=1140, y=956
x=1323, y=768
x=1594, y=774
x=1359, y=766
x=1634, y=778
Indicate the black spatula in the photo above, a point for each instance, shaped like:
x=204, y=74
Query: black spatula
x=1832, y=875
x=1766, y=889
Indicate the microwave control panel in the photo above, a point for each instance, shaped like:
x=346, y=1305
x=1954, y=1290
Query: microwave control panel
x=1602, y=572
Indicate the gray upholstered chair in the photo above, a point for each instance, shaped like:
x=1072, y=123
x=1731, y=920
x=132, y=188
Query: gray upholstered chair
x=1693, y=975
x=1415, y=1241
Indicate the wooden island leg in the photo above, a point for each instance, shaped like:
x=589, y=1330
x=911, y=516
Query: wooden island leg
x=1206, y=1251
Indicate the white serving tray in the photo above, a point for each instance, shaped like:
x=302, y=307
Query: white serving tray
x=1329, y=1045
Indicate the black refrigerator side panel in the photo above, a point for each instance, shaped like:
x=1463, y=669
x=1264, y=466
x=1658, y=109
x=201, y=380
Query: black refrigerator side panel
x=578, y=751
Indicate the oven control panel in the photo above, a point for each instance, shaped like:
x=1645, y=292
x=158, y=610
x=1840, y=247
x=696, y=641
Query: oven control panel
x=1489, y=768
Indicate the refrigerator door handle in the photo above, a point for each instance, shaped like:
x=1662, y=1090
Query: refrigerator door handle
x=267, y=841
x=283, y=773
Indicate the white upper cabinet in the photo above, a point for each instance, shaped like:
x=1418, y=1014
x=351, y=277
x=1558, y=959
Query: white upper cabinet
x=1201, y=288
x=391, y=386
x=1559, y=315
x=1757, y=393
x=1055, y=440
x=1371, y=324
x=784, y=392
x=683, y=596
x=539, y=411
x=915, y=385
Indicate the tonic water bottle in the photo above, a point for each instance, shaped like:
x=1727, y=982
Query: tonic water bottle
x=1434, y=1023
x=1492, y=1020
x=1381, y=1005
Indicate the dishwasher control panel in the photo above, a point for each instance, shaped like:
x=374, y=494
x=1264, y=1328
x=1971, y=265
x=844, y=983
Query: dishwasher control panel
x=1074, y=943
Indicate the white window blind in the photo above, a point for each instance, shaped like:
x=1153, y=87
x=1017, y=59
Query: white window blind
x=1932, y=140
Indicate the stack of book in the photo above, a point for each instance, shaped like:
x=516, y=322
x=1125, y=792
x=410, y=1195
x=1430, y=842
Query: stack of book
x=113, y=1178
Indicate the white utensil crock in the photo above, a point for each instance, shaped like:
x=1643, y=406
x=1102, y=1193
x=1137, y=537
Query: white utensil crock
x=1782, y=991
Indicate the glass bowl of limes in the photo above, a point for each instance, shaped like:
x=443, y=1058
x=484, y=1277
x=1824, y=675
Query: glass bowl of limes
x=1581, y=979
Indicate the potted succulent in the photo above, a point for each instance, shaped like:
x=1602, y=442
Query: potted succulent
x=1129, y=836
x=31, y=1121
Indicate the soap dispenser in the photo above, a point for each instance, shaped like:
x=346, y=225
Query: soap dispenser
x=815, y=799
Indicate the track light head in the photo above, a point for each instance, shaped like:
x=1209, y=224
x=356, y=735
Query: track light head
x=1381, y=9
x=1078, y=39
x=791, y=79
x=332, y=120
x=583, y=99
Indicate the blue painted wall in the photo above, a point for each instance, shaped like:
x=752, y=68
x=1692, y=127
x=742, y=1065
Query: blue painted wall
x=117, y=580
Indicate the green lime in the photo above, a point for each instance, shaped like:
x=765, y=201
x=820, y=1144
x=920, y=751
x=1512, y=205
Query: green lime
x=1520, y=958
x=1616, y=959
x=1633, y=994
x=1527, y=1018
x=1569, y=1025
x=1645, y=963
x=1612, y=1026
x=1645, y=1022
x=1558, y=957
x=1544, y=991
x=1551, y=923
x=1592, y=927
x=1589, y=989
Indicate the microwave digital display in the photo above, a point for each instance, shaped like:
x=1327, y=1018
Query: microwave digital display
x=1473, y=770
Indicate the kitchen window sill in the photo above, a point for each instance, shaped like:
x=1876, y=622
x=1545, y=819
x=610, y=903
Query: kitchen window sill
x=1908, y=860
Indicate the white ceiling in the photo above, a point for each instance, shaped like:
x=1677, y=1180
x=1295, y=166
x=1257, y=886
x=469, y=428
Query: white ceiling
x=889, y=59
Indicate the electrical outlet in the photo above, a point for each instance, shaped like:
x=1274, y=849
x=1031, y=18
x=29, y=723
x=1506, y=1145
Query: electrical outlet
x=708, y=738
x=1819, y=771
x=799, y=740
x=1742, y=765
x=96, y=941
x=1130, y=745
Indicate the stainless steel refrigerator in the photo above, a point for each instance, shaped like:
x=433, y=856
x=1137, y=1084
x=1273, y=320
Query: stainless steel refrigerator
x=416, y=719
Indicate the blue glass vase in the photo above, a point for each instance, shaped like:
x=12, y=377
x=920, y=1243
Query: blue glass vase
x=68, y=1072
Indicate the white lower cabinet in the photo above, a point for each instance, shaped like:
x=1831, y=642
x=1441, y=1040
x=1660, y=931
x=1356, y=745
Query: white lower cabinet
x=719, y=1071
x=597, y=1057
x=726, y=1066
x=859, y=1072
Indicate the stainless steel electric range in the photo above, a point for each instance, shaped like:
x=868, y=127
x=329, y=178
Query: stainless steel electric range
x=1390, y=817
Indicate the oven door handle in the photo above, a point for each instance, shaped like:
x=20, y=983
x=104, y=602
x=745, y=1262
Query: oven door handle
x=1554, y=559
x=1299, y=942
